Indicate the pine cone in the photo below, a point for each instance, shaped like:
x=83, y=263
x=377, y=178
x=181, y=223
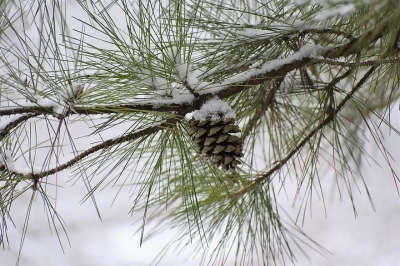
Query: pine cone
x=213, y=139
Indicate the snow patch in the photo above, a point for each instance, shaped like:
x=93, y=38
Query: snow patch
x=192, y=77
x=307, y=51
x=213, y=109
x=341, y=10
x=182, y=71
x=58, y=108
x=6, y=159
x=255, y=33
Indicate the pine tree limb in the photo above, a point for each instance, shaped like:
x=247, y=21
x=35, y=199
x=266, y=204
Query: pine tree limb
x=266, y=177
x=356, y=45
x=102, y=146
x=15, y=123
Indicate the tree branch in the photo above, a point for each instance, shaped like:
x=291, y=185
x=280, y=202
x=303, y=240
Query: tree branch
x=104, y=145
x=357, y=44
x=181, y=109
x=167, y=107
x=275, y=73
x=362, y=63
x=38, y=110
x=278, y=165
x=14, y=124
x=264, y=105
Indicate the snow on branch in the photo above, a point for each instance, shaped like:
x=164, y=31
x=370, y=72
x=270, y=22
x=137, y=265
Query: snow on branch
x=179, y=98
x=308, y=51
x=7, y=160
x=8, y=163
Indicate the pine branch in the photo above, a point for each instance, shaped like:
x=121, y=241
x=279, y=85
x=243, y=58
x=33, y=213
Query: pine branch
x=102, y=146
x=191, y=50
x=266, y=177
x=13, y=124
x=361, y=63
x=278, y=72
x=356, y=45
x=264, y=105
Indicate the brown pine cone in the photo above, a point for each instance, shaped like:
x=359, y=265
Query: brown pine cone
x=213, y=138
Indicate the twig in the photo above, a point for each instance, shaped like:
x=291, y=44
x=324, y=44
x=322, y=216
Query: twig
x=264, y=105
x=349, y=64
x=28, y=109
x=104, y=145
x=326, y=31
x=14, y=124
x=277, y=72
x=357, y=44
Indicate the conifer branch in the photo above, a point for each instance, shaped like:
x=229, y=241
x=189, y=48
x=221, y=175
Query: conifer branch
x=266, y=177
x=172, y=60
x=278, y=72
x=102, y=146
x=357, y=44
x=6, y=129
x=167, y=107
x=350, y=64
x=263, y=106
